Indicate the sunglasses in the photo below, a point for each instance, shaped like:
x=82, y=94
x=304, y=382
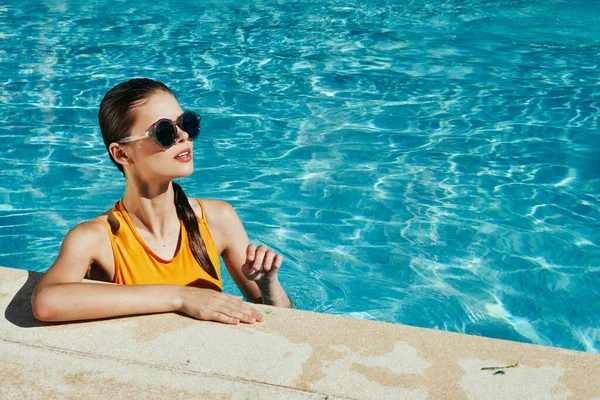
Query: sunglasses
x=164, y=131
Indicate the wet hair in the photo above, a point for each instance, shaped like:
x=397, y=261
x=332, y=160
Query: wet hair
x=117, y=116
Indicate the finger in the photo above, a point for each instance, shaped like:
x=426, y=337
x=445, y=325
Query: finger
x=250, y=252
x=278, y=261
x=259, y=256
x=256, y=314
x=226, y=319
x=235, y=303
x=241, y=310
x=231, y=315
x=220, y=317
x=250, y=273
x=268, y=261
x=247, y=317
x=246, y=267
x=254, y=275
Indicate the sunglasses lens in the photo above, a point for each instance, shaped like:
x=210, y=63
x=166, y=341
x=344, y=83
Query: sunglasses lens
x=190, y=122
x=165, y=133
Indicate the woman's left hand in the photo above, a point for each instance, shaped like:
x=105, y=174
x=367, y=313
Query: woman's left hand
x=261, y=264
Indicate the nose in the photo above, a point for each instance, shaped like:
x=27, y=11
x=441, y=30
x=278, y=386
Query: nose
x=182, y=135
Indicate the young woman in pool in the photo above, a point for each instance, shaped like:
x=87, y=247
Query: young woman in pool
x=159, y=246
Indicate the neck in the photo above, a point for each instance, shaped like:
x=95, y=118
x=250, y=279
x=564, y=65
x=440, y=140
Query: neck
x=151, y=207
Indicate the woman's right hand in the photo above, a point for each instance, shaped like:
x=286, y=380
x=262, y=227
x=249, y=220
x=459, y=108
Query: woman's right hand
x=210, y=305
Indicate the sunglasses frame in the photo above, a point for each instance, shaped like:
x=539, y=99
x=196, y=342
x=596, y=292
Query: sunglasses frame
x=152, y=132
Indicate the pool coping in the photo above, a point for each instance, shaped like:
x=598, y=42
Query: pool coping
x=293, y=354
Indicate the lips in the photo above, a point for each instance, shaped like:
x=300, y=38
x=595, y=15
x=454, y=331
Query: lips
x=184, y=154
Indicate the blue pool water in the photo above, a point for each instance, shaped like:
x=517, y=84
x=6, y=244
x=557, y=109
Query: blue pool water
x=427, y=163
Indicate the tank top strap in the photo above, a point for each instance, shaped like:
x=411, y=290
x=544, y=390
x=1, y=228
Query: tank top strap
x=120, y=208
x=104, y=224
x=203, y=218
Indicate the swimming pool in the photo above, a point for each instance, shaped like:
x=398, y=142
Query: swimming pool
x=415, y=162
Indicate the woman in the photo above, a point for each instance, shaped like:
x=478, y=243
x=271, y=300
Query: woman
x=159, y=246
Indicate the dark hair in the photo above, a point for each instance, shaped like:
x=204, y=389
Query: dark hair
x=116, y=116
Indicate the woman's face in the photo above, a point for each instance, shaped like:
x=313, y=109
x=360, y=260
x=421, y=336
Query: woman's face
x=148, y=160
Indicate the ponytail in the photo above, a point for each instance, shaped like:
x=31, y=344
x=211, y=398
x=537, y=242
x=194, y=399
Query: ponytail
x=187, y=215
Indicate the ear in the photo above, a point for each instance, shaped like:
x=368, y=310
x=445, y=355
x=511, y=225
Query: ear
x=119, y=154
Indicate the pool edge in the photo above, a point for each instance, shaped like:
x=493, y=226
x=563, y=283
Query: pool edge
x=292, y=354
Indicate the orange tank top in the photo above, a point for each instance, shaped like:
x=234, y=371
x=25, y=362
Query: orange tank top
x=137, y=264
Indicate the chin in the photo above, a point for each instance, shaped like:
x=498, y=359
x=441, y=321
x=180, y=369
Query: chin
x=185, y=170
x=180, y=171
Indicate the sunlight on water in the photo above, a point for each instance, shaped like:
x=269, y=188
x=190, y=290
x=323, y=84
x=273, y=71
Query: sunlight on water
x=425, y=163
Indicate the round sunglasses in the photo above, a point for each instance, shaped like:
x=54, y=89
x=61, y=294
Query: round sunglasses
x=164, y=131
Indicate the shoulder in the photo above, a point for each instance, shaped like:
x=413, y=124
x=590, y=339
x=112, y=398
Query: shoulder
x=217, y=211
x=221, y=219
x=83, y=245
x=91, y=241
x=90, y=234
x=103, y=220
x=86, y=235
x=218, y=207
x=225, y=226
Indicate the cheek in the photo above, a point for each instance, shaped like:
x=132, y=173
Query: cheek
x=152, y=161
x=148, y=150
x=147, y=157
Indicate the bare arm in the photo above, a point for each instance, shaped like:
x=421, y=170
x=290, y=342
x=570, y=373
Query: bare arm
x=249, y=266
x=62, y=296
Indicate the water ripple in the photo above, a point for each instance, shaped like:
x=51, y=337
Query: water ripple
x=427, y=163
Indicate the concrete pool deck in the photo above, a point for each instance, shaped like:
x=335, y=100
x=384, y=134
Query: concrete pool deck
x=291, y=355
